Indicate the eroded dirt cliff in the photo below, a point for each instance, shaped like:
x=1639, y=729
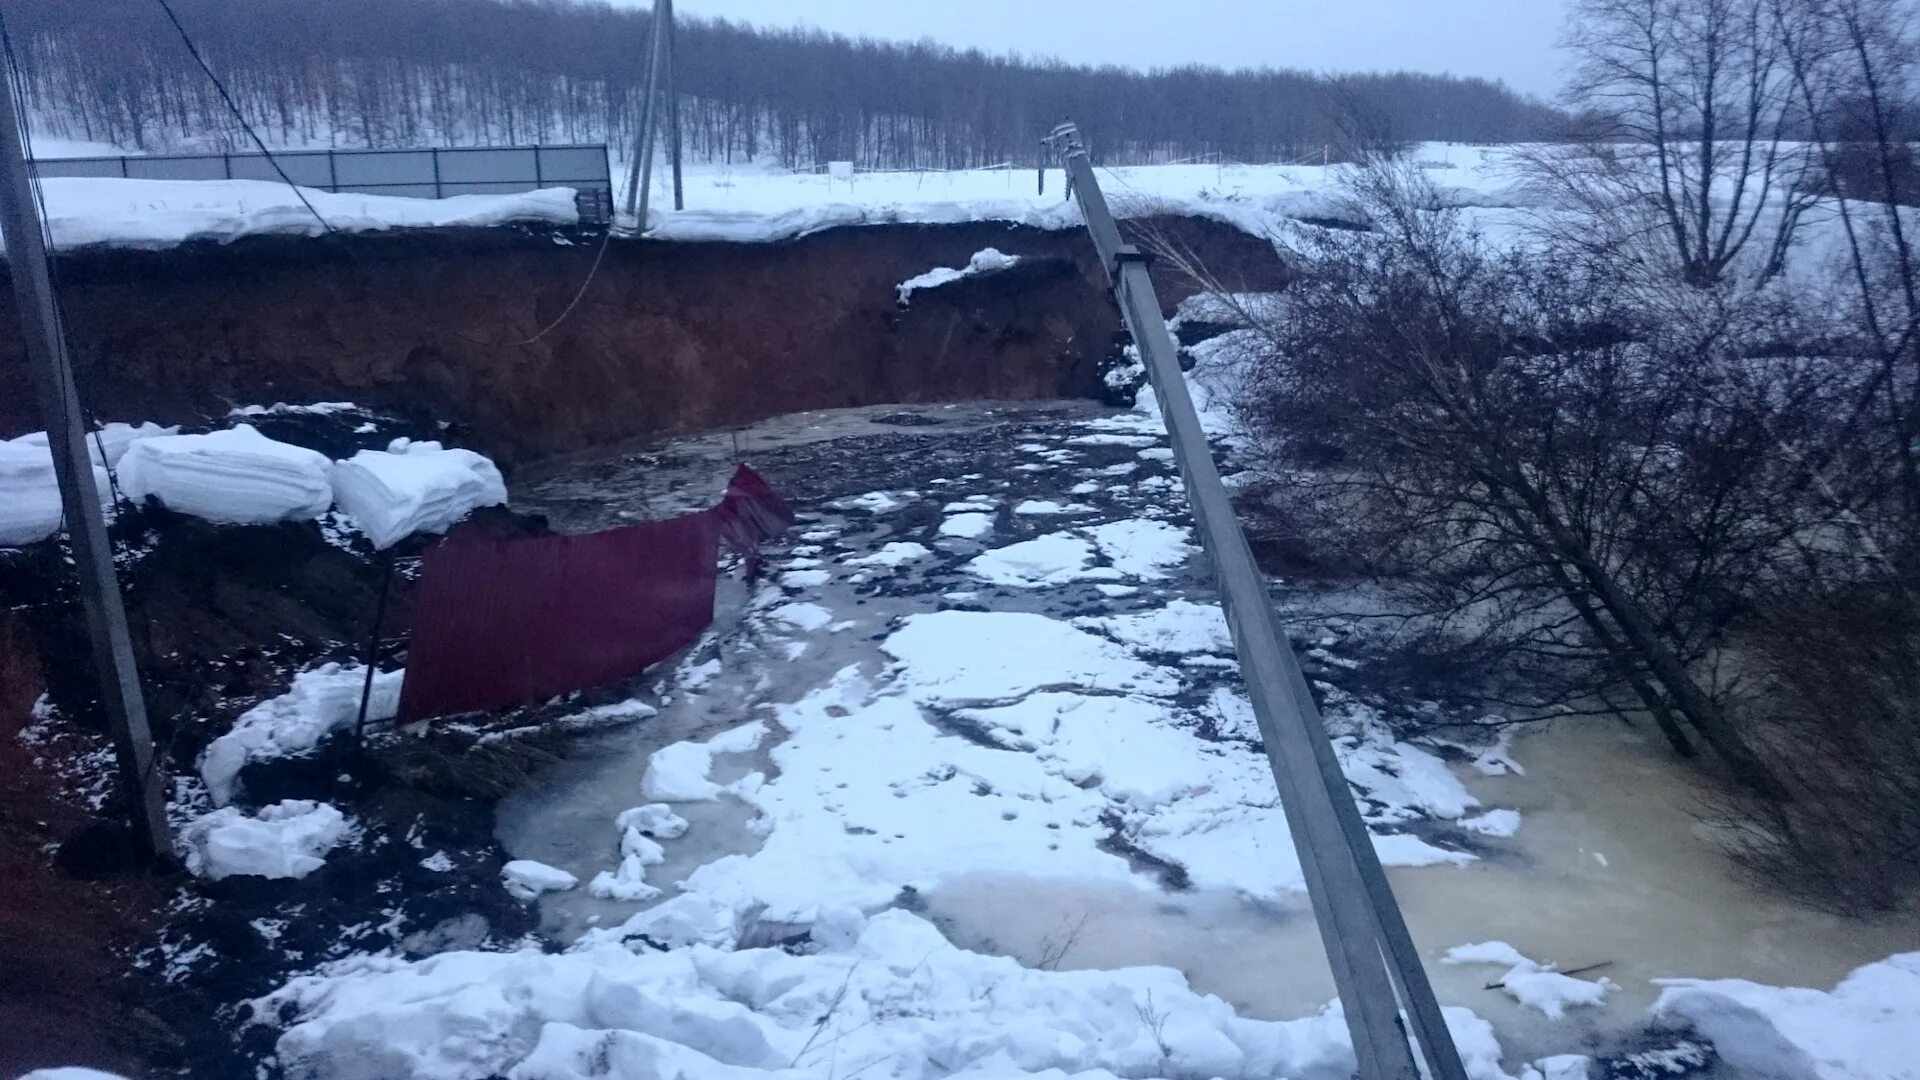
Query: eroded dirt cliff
x=670, y=336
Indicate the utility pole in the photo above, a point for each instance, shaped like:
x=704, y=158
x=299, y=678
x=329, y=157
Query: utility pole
x=640, y=176
x=1376, y=967
x=86, y=525
x=673, y=111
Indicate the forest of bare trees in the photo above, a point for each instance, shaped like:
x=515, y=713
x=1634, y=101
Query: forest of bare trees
x=466, y=72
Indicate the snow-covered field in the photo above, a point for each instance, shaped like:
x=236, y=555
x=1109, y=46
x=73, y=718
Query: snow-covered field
x=750, y=203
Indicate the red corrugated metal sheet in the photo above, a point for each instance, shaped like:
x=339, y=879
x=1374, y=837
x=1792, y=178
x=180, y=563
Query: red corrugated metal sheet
x=503, y=621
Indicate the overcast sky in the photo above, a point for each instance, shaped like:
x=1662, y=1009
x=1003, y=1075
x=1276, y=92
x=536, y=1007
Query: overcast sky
x=1506, y=39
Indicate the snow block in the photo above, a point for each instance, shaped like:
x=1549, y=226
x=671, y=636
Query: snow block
x=413, y=487
x=289, y=839
x=237, y=476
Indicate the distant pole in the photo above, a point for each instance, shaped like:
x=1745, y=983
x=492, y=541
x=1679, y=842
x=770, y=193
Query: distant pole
x=86, y=526
x=650, y=116
x=642, y=158
x=673, y=109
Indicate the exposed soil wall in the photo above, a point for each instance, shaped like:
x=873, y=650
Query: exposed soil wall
x=670, y=337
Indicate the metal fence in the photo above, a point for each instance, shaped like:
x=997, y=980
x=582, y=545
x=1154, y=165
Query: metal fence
x=427, y=173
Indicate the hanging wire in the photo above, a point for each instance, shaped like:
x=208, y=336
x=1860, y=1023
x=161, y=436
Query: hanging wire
x=300, y=193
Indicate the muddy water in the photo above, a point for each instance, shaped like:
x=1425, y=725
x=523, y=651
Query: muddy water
x=1611, y=864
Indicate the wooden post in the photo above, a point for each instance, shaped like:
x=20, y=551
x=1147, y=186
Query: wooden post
x=46, y=349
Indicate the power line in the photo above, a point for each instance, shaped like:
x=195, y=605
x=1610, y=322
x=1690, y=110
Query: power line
x=187, y=40
x=299, y=193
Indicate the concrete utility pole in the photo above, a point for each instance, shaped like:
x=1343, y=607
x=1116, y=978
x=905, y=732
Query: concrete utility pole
x=673, y=111
x=1375, y=964
x=86, y=525
x=640, y=175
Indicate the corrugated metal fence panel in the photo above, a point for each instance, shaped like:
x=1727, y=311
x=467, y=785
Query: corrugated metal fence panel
x=489, y=166
x=574, y=165
x=420, y=173
x=380, y=168
x=505, y=622
x=177, y=168
x=108, y=166
x=306, y=168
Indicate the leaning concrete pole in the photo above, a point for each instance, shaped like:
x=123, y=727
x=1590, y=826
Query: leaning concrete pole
x=86, y=525
x=1376, y=967
x=640, y=172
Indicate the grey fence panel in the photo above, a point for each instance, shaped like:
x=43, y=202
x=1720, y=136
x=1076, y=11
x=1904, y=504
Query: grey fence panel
x=488, y=166
x=80, y=167
x=495, y=187
x=177, y=168
x=423, y=174
x=306, y=168
x=417, y=191
x=575, y=166
x=383, y=167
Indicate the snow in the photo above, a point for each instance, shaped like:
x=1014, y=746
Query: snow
x=87, y=211
x=30, y=509
x=893, y=554
x=967, y=526
x=1534, y=985
x=320, y=702
x=1053, y=559
x=113, y=437
x=984, y=261
x=281, y=408
x=678, y=773
x=746, y=205
x=964, y=657
x=883, y=996
x=654, y=819
x=1142, y=548
x=1179, y=627
x=289, y=839
x=1866, y=1028
x=413, y=488
x=237, y=476
x=1500, y=823
x=70, y=1072
x=802, y=616
x=1048, y=506
x=527, y=879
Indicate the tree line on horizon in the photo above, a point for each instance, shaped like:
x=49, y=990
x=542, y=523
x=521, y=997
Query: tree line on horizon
x=384, y=73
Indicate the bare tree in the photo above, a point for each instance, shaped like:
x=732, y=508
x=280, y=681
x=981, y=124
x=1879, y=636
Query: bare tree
x=1689, y=150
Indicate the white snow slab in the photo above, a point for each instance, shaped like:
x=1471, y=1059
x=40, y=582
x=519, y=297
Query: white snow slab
x=413, y=488
x=894, y=554
x=526, y=879
x=1052, y=559
x=678, y=773
x=112, y=438
x=881, y=996
x=654, y=819
x=1142, y=548
x=802, y=615
x=237, y=476
x=70, y=1072
x=970, y=657
x=984, y=261
x=30, y=509
x=87, y=211
x=1866, y=1028
x=967, y=526
x=1179, y=627
x=289, y=839
x=320, y=702
x=1535, y=985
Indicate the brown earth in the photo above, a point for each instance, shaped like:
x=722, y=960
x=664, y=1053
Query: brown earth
x=670, y=337
x=64, y=994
